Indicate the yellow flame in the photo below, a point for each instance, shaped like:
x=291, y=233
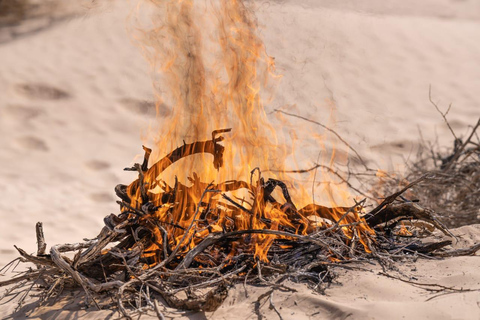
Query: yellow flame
x=210, y=66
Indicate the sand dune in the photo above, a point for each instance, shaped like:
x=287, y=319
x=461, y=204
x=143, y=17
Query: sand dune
x=76, y=97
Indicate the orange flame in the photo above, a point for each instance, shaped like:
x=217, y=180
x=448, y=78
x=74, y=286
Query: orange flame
x=214, y=81
x=211, y=67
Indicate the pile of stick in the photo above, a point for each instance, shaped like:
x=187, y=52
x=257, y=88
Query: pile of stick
x=144, y=255
x=453, y=187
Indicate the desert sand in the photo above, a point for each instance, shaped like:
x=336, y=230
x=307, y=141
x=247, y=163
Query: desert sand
x=76, y=98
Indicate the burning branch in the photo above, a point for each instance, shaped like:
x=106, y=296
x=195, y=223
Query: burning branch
x=185, y=241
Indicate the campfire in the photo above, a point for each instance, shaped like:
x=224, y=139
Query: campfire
x=212, y=213
x=188, y=244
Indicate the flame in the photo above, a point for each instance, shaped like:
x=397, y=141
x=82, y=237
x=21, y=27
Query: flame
x=211, y=82
x=211, y=67
x=404, y=231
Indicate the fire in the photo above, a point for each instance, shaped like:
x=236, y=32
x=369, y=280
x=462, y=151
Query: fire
x=404, y=231
x=211, y=66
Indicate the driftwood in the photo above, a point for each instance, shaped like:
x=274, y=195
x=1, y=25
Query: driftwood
x=187, y=244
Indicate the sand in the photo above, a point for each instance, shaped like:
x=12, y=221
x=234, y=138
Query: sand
x=76, y=96
x=356, y=294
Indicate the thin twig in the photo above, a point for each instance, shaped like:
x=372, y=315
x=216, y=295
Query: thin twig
x=157, y=310
x=314, y=178
x=462, y=147
x=332, y=131
x=444, y=115
x=272, y=306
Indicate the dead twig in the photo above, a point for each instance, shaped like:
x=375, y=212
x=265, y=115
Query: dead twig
x=443, y=114
x=330, y=130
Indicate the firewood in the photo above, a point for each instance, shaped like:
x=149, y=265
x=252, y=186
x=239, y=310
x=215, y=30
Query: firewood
x=195, y=241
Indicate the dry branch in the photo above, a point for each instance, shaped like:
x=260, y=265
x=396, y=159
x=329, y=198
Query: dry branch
x=188, y=244
x=452, y=186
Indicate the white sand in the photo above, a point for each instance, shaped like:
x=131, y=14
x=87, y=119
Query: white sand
x=76, y=95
